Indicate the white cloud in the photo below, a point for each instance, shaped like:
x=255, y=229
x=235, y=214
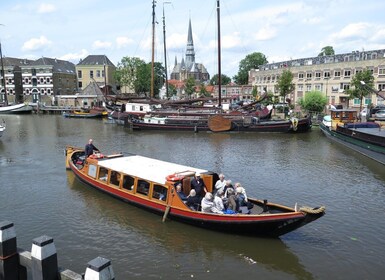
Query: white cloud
x=352, y=31
x=177, y=40
x=122, y=42
x=36, y=44
x=98, y=45
x=45, y=8
x=265, y=33
x=75, y=56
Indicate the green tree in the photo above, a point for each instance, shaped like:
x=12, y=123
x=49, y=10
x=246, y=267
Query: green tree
x=190, y=86
x=225, y=80
x=359, y=90
x=142, y=83
x=285, y=84
x=126, y=71
x=328, y=50
x=251, y=61
x=314, y=101
x=172, y=90
x=203, y=91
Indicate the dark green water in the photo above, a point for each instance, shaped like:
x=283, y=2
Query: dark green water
x=42, y=198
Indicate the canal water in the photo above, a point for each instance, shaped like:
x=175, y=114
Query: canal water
x=42, y=198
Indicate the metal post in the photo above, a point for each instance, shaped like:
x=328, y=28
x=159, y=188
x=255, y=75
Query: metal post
x=9, y=260
x=99, y=269
x=44, y=259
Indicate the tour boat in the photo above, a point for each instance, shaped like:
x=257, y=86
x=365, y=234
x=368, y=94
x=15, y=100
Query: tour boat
x=150, y=184
x=366, y=138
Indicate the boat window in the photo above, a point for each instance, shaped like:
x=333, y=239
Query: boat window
x=159, y=192
x=128, y=182
x=103, y=173
x=115, y=178
x=143, y=187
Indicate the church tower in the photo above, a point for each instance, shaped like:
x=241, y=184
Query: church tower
x=188, y=68
x=190, y=53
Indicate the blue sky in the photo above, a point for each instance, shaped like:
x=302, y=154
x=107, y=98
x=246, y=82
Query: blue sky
x=282, y=30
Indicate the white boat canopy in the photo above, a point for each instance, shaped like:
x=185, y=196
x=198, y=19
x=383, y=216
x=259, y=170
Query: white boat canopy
x=147, y=168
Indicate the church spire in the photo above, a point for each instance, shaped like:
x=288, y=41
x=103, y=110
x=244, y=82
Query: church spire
x=190, y=53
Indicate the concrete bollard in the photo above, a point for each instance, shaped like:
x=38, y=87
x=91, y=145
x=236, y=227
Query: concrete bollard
x=9, y=260
x=99, y=269
x=44, y=259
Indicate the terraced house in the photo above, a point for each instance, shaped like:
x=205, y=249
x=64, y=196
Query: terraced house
x=38, y=81
x=328, y=74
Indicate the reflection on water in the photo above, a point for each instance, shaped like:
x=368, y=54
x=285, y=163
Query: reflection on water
x=182, y=240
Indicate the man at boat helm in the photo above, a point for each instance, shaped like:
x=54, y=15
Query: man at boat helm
x=90, y=148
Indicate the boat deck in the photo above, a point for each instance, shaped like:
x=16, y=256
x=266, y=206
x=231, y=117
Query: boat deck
x=377, y=132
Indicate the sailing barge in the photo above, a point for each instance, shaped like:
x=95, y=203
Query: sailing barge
x=151, y=184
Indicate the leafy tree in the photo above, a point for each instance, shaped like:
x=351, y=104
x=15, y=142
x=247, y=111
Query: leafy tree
x=328, y=50
x=142, y=83
x=314, y=101
x=126, y=71
x=225, y=80
x=357, y=89
x=172, y=90
x=251, y=61
x=203, y=90
x=285, y=83
x=190, y=86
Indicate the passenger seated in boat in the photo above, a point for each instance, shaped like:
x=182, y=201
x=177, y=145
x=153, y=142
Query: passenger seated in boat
x=193, y=201
x=180, y=192
x=228, y=185
x=90, y=148
x=218, y=200
x=208, y=205
x=241, y=194
x=231, y=200
x=220, y=184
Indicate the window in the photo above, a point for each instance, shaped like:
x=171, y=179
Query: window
x=300, y=75
x=33, y=72
x=318, y=75
x=103, y=73
x=79, y=74
x=381, y=87
x=308, y=87
x=327, y=74
x=347, y=73
x=103, y=173
x=337, y=74
x=128, y=182
x=48, y=80
x=115, y=178
x=98, y=73
x=381, y=71
x=91, y=73
x=143, y=187
x=300, y=87
x=368, y=101
x=80, y=84
x=309, y=75
x=34, y=82
x=159, y=192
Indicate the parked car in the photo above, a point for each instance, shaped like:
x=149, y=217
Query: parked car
x=364, y=113
x=380, y=115
x=374, y=110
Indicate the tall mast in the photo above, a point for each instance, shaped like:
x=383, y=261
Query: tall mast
x=219, y=57
x=152, y=48
x=164, y=48
x=3, y=76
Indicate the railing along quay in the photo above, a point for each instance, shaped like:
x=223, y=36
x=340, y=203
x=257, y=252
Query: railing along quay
x=41, y=263
x=53, y=109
